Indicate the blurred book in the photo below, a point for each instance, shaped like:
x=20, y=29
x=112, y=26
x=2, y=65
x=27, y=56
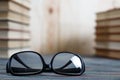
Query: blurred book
x=5, y=15
x=107, y=15
x=108, y=29
x=14, y=26
x=108, y=45
x=111, y=53
x=108, y=34
x=14, y=43
x=14, y=34
x=16, y=6
x=108, y=37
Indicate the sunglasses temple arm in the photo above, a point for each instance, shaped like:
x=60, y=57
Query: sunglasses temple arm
x=74, y=70
x=68, y=63
x=7, y=69
x=16, y=69
x=20, y=61
x=70, y=70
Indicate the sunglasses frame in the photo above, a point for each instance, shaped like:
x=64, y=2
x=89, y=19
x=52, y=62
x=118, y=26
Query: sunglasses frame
x=46, y=67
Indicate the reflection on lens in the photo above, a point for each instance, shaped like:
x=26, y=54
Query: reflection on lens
x=67, y=63
x=26, y=63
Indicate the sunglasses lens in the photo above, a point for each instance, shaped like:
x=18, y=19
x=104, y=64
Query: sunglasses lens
x=26, y=63
x=68, y=63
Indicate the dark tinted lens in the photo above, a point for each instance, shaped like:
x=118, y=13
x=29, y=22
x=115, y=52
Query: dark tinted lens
x=67, y=63
x=26, y=63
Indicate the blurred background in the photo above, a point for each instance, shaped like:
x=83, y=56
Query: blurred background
x=51, y=26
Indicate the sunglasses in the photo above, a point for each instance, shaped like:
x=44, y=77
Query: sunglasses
x=30, y=63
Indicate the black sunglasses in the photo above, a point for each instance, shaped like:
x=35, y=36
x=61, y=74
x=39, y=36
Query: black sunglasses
x=30, y=62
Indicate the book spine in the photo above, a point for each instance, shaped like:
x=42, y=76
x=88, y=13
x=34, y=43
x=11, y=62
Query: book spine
x=14, y=34
x=14, y=44
x=108, y=45
x=108, y=53
x=111, y=22
x=111, y=14
x=5, y=15
x=13, y=21
x=3, y=5
x=108, y=29
x=24, y=3
x=107, y=40
x=18, y=9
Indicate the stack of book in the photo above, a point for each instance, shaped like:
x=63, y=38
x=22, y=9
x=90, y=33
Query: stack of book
x=108, y=34
x=14, y=26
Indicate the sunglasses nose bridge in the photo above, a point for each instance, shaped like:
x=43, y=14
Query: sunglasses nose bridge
x=47, y=68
